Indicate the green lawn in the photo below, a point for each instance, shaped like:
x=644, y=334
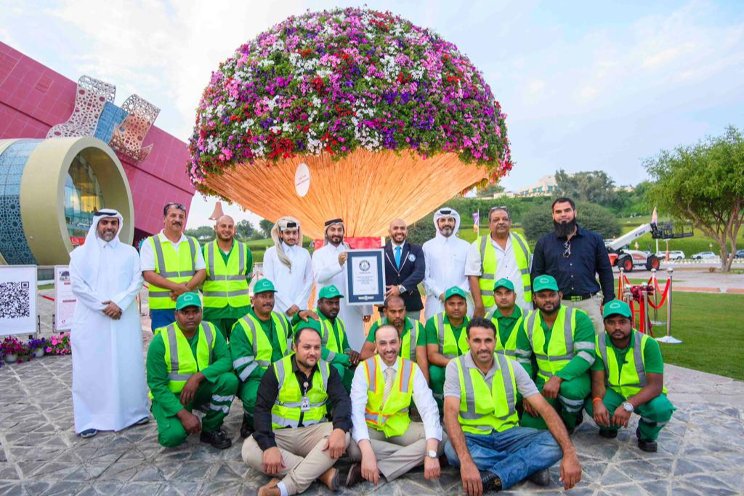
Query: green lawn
x=712, y=338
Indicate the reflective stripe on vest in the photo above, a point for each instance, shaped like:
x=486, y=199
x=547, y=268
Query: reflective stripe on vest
x=180, y=361
x=262, y=349
x=226, y=284
x=328, y=338
x=489, y=266
x=566, y=345
x=287, y=411
x=159, y=298
x=478, y=413
x=390, y=417
x=444, y=331
x=510, y=347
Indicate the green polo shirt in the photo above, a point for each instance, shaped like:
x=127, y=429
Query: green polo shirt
x=228, y=312
x=420, y=338
x=653, y=362
x=157, y=369
x=504, y=324
x=432, y=336
x=341, y=358
x=240, y=346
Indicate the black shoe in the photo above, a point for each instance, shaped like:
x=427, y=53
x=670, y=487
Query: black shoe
x=246, y=428
x=608, y=433
x=355, y=475
x=490, y=481
x=218, y=439
x=647, y=446
x=541, y=478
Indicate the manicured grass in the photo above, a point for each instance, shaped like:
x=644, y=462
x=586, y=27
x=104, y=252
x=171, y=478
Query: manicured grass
x=709, y=326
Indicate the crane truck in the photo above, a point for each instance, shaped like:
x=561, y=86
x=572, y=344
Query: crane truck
x=622, y=257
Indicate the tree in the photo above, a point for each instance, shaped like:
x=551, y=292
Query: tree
x=538, y=220
x=421, y=231
x=266, y=226
x=589, y=186
x=203, y=234
x=244, y=230
x=704, y=183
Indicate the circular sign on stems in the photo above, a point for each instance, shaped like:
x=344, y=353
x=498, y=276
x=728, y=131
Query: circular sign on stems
x=302, y=179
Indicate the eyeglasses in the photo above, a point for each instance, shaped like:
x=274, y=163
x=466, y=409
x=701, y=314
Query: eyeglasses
x=567, y=249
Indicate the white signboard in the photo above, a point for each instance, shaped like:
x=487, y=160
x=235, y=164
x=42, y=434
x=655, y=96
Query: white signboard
x=64, y=300
x=17, y=299
x=302, y=180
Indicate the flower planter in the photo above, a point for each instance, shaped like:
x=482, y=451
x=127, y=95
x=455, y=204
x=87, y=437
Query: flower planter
x=38, y=352
x=11, y=358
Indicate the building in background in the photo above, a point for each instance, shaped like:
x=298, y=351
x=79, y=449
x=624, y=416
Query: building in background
x=66, y=149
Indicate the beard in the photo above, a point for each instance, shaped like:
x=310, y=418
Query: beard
x=563, y=229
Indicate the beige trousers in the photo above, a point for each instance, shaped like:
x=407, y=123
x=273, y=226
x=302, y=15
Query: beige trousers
x=396, y=455
x=592, y=307
x=302, y=454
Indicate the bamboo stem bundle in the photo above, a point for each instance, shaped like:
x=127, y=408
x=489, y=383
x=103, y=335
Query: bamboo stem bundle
x=366, y=189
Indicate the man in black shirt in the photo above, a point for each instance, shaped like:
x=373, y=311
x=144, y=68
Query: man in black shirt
x=292, y=437
x=575, y=257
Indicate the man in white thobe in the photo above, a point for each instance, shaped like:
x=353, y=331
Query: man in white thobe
x=445, y=257
x=109, y=391
x=287, y=264
x=329, y=267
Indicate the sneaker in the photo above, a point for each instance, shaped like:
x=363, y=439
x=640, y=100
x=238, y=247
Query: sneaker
x=354, y=476
x=88, y=433
x=541, y=478
x=246, y=428
x=647, y=446
x=608, y=433
x=490, y=481
x=218, y=439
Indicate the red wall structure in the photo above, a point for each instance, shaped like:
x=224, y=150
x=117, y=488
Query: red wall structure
x=33, y=98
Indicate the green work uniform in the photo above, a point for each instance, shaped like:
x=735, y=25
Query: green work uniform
x=244, y=355
x=335, y=355
x=225, y=317
x=576, y=384
x=214, y=396
x=409, y=351
x=654, y=414
x=436, y=373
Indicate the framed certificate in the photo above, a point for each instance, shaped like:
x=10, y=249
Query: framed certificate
x=365, y=277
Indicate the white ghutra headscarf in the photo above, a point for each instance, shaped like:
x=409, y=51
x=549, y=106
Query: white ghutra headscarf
x=90, y=251
x=282, y=224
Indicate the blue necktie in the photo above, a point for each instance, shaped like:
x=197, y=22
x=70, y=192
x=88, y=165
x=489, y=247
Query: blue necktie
x=397, y=256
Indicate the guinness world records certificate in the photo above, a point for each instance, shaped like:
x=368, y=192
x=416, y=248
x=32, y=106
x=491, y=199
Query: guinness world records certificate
x=365, y=277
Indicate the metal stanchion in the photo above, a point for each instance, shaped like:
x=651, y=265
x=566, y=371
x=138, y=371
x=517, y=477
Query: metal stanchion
x=668, y=338
x=655, y=284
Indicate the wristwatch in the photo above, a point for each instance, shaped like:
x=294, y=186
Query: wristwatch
x=628, y=406
x=432, y=454
x=401, y=289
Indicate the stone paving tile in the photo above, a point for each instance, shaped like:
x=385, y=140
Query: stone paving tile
x=701, y=451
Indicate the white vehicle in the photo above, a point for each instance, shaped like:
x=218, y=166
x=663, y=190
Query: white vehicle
x=673, y=255
x=704, y=255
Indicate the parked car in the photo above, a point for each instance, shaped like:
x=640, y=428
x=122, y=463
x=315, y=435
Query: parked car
x=673, y=255
x=704, y=255
x=739, y=254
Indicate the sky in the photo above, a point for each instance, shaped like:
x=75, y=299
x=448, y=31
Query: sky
x=586, y=85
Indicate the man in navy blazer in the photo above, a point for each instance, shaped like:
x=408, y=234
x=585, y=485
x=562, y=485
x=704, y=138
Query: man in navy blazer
x=404, y=268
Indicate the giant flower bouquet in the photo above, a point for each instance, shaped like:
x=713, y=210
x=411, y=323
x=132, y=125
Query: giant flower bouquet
x=334, y=82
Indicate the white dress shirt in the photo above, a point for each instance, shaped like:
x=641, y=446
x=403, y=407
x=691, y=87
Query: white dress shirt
x=147, y=255
x=422, y=397
x=445, y=267
x=506, y=267
x=292, y=286
x=328, y=272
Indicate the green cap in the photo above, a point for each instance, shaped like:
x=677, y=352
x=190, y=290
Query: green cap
x=616, y=307
x=263, y=286
x=188, y=300
x=504, y=283
x=310, y=324
x=330, y=292
x=544, y=282
x=455, y=290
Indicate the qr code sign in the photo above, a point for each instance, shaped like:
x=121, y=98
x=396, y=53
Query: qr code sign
x=14, y=300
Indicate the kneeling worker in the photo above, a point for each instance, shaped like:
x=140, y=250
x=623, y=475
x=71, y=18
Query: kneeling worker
x=385, y=439
x=628, y=377
x=292, y=436
x=189, y=366
x=480, y=416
